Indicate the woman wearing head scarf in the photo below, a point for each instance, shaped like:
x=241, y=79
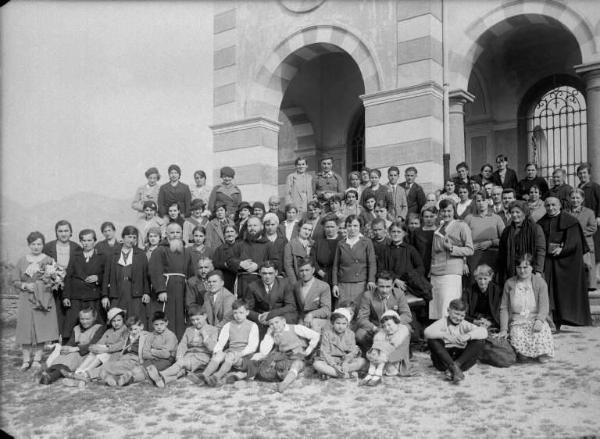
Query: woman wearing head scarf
x=521, y=236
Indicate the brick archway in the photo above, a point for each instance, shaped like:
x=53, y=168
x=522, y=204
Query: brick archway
x=506, y=18
x=278, y=70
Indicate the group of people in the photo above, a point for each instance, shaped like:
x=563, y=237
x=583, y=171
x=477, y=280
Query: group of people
x=343, y=278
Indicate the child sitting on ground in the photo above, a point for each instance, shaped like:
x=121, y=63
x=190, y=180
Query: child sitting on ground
x=389, y=354
x=292, y=343
x=111, y=341
x=241, y=338
x=194, y=350
x=156, y=349
x=455, y=344
x=86, y=333
x=339, y=356
x=127, y=359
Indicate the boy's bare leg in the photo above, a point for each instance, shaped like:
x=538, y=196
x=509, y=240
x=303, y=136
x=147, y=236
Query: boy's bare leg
x=295, y=369
x=324, y=368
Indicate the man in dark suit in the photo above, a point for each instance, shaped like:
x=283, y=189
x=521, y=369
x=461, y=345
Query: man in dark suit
x=218, y=300
x=504, y=176
x=196, y=286
x=374, y=304
x=313, y=297
x=415, y=195
x=269, y=297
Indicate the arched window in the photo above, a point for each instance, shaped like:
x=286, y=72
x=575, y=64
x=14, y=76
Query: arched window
x=556, y=132
x=356, y=141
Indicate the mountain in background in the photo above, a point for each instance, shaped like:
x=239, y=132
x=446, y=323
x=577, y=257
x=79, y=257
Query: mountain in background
x=83, y=210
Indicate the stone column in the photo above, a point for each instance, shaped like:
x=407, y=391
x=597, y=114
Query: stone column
x=458, y=99
x=591, y=75
x=249, y=146
x=403, y=127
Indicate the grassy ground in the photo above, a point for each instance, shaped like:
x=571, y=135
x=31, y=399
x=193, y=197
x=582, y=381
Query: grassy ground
x=559, y=399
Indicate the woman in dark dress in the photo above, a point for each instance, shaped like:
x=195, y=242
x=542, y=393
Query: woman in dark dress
x=126, y=281
x=223, y=255
x=110, y=243
x=521, y=236
x=324, y=248
x=422, y=238
x=564, y=269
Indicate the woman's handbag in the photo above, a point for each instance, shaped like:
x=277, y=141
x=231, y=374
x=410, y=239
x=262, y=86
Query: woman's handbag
x=498, y=352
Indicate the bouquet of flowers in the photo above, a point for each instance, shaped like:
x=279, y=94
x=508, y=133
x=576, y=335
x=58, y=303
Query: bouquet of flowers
x=53, y=275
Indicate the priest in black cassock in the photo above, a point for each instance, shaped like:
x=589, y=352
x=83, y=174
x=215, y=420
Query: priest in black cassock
x=564, y=269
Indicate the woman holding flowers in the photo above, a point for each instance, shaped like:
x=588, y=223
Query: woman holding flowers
x=34, y=276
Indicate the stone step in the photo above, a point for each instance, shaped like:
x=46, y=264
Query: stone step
x=594, y=297
x=595, y=309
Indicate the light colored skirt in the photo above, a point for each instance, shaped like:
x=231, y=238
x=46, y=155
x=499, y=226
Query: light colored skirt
x=531, y=344
x=445, y=289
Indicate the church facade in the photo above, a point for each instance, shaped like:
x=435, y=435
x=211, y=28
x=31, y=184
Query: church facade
x=426, y=83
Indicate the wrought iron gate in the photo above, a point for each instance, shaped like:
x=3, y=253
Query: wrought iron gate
x=557, y=132
x=357, y=141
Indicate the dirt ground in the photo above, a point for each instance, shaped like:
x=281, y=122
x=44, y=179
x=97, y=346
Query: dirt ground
x=559, y=399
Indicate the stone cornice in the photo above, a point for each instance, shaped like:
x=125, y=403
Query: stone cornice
x=245, y=124
x=461, y=95
x=382, y=97
x=593, y=67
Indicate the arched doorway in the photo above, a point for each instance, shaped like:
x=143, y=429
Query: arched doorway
x=321, y=112
x=517, y=55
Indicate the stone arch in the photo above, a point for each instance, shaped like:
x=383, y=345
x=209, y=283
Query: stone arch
x=284, y=61
x=507, y=17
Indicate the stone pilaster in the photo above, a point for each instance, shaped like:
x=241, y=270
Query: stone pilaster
x=403, y=127
x=591, y=75
x=458, y=99
x=250, y=147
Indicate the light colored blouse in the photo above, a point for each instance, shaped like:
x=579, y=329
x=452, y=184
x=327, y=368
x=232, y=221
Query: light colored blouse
x=200, y=193
x=144, y=193
x=63, y=254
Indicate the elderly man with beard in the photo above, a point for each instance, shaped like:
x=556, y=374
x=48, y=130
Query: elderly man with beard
x=249, y=254
x=170, y=265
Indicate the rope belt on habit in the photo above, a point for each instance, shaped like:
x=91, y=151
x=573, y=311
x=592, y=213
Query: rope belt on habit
x=168, y=275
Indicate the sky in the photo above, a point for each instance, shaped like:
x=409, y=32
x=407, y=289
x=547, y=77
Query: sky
x=94, y=93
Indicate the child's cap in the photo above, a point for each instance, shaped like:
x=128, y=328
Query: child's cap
x=342, y=312
x=114, y=312
x=390, y=313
